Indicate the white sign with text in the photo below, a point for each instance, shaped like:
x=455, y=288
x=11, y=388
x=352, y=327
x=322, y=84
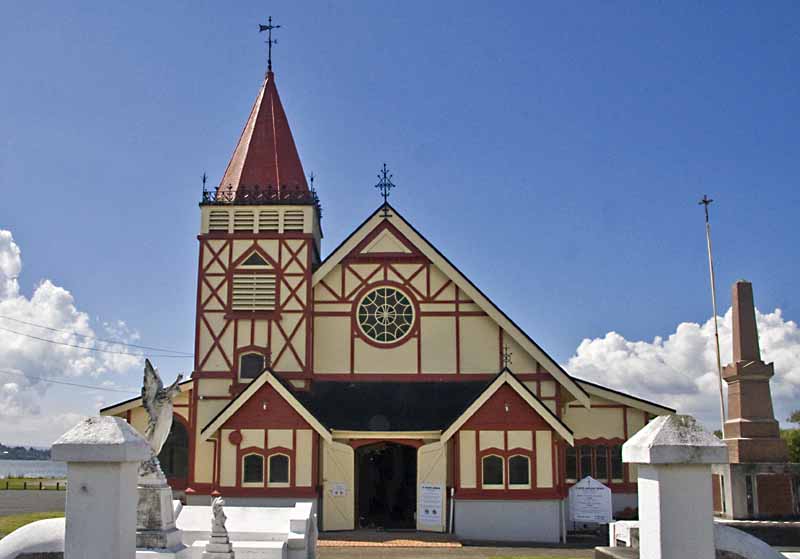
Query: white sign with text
x=590, y=501
x=430, y=503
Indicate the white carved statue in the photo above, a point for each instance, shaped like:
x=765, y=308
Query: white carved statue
x=218, y=519
x=157, y=402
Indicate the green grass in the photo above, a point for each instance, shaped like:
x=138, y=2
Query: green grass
x=32, y=483
x=10, y=523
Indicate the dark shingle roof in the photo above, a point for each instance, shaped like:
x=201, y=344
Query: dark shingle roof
x=389, y=406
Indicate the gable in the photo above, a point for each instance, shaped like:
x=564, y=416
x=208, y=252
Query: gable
x=506, y=409
x=385, y=241
x=266, y=409
x=472, y=344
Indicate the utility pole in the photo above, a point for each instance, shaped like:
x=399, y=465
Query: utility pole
x=706, y=201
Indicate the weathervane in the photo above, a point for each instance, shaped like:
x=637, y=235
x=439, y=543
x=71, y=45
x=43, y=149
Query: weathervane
x=385, y=185
x=506, y=356
x=268, y=28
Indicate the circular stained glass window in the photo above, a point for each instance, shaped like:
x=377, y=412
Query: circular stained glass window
x=385, y=315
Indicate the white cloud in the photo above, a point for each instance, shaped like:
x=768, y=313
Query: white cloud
x=680, y=371
x=22, y=358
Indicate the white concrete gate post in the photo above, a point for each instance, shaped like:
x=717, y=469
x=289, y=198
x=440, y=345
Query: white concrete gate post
x=676, y=518
x=102, y=456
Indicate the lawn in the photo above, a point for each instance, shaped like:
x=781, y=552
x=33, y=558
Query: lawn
x=31, y=483
x=10, y=523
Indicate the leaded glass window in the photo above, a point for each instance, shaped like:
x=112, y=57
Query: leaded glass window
x=385, y=315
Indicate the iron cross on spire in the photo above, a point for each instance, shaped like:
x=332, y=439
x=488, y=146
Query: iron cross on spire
x=270, y=41
x=385, y=185
x=506, y=356
x=706, y=201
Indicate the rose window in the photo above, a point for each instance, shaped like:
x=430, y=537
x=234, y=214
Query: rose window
x=385, y=315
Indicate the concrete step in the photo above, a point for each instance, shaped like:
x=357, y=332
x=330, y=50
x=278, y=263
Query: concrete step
x=248, y=549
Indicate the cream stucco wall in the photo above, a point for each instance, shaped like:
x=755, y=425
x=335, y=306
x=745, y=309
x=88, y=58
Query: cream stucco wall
x=303, y=457
x=597, y=422
x=544, y=459
x=467, y=464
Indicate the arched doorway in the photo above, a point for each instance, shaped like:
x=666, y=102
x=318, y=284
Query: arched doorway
x=386, y=485
x=174, y=455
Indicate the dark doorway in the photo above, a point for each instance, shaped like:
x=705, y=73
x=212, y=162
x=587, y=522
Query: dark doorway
x=174, y=455
x=386, y=480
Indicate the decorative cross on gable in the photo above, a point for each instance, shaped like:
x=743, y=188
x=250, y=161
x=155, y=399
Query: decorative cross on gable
x=506, y=356
x=385, y=185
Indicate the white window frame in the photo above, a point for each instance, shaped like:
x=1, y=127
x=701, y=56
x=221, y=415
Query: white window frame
x=263, y=471
x=493, y=486
x=519, y=485
x=286, y=483
x=241, y=356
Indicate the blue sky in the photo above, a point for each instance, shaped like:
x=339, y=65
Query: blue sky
x=555, y=152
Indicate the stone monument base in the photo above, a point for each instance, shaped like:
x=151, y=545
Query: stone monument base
x=155, y=516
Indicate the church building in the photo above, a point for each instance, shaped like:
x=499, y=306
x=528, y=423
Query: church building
x=378, y=382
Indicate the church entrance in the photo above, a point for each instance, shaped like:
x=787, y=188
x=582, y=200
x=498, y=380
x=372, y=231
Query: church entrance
x=386, y=486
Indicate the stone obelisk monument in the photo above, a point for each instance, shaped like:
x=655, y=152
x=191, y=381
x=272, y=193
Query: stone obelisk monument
x=751, y=431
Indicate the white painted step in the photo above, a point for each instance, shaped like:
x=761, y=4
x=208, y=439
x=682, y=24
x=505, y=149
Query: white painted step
x=247, y=550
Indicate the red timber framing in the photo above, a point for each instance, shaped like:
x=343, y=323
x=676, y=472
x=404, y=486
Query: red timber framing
x=432, y=294
x=506, y=411
x=226, y=329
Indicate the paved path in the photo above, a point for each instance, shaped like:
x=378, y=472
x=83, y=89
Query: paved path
x=466, y=552
x=22, y=502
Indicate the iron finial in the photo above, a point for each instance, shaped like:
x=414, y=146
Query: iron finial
x=385, y=184
x=506, y=356
x=270, y=41
x=706, y=201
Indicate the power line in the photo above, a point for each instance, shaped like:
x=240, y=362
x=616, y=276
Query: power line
x=90, y=348
x=67, y=383
x=91, y=337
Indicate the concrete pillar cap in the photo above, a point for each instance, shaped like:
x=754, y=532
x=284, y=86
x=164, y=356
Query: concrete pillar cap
x=674, y=439
x=101, y=439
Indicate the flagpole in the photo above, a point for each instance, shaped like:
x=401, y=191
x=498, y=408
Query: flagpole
x=706, y=201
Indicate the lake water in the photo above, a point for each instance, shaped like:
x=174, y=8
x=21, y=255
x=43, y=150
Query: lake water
x=32, y=468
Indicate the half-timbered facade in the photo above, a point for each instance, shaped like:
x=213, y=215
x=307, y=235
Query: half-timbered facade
x=373, y=382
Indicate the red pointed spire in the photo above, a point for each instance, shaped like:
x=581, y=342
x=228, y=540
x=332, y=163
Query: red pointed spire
x=266, y=157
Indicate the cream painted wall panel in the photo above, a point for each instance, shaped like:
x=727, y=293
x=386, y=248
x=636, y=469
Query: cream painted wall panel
x=520, y=439
x=491, y=439
x=243, y=334
x=408, y=270
x=252, y=437
x=334, y=281
x=323, y=294
x=270, y=246
x=139, y=419
x=552, y=405
x=303, y=457
x=466, y=453
x=204, y=461
x=548, y=388
x=522, y=362
x=531, y=385
x=262, y=330
x=468, y=307
x=353, y=281
x=437, y=280
x=438, y=344
x=544, y=459
x=479, y=345
x=594, y=423
x=333, y=307
x=183, y=412
x=213, y=387
x=279, y=437
x=287, y=362
x=331, y=344
x=635, y=420
x=400, y=359
x=227, y=460
x=437, y=307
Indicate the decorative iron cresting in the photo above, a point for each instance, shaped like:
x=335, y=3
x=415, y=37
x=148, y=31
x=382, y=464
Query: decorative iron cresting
x=256, y=195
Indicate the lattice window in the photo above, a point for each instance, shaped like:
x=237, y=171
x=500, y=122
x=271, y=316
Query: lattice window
x=254, y=286
x=268, y=220
x=243, y=221
x=218, y=220
x=293, y=221
x=385, y=315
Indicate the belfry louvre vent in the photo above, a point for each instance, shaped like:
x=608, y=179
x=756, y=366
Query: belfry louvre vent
x=293, y=221
x=244, y=221
x=218, y=220
x=268, y=220
x=253, y=285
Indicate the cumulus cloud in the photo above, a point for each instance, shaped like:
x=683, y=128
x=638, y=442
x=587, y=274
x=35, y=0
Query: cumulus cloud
x=23, y=358
x=680, y=370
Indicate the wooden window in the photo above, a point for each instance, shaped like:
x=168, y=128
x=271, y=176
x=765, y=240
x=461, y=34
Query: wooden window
x=243, y=221
x=218, y=220
x=251, y=365
x=254, y=285
x=572, y=463
x=279, y=470
x=586, y=460
x=253, y=469
x=601, y=462
x=493, y=473
x=293, y=221
x=616, y=462
x=519, y=472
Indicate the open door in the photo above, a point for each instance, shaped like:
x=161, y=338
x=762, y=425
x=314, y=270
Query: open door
x=338, y=496
x=432, y=487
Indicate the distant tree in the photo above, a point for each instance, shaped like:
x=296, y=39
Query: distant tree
x=795, y=417
x=718, y=433
x=792, y=438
